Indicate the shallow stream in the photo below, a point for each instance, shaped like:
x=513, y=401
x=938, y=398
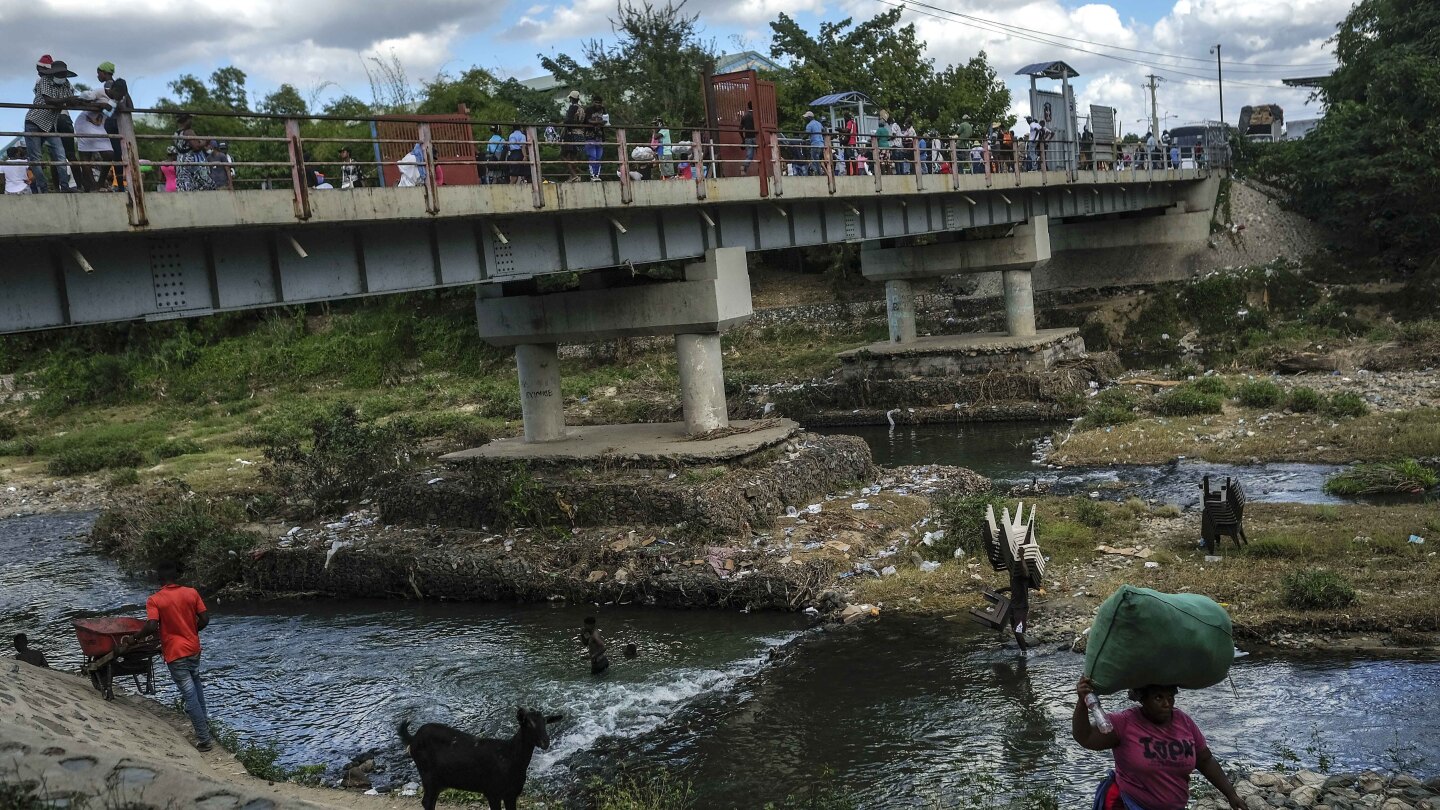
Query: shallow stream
x=899, y=712
x=1011, y=452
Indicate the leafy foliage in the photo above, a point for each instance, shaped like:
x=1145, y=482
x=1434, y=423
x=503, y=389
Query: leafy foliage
x=1187, y=400
x=343, y=457
x=1371, y=168
x=169, y=522
x=1259, y=394
x=653, y=68
x=887, y=62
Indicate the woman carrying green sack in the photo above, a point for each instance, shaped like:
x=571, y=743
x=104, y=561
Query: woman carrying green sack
x=1157, y=747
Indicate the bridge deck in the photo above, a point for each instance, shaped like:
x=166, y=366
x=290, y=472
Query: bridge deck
x=51, y=215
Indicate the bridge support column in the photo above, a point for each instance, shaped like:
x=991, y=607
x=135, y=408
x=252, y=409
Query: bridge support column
x=702, y=383
x=1019, y=303
x=713, y=296
x=900, y=306
x=541, y=405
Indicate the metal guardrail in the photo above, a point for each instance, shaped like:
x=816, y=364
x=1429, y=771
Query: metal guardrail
x=707, y=153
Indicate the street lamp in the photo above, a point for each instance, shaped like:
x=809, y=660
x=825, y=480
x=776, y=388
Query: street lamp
x=1220, y=76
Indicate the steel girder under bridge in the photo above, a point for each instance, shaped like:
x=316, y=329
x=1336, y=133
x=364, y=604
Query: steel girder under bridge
x=74, y=259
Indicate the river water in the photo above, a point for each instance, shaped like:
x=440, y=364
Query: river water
x=1011, y=453
x=899, y=712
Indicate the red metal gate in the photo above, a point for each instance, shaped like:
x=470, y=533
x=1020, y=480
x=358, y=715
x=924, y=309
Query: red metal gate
x=453, y=136
x=734, y=92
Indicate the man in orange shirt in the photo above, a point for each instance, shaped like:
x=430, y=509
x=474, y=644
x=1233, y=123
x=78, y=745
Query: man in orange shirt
x=178, y=614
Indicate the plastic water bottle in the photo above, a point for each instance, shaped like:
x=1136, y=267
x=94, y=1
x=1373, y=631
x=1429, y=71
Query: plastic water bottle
x=1097, y=715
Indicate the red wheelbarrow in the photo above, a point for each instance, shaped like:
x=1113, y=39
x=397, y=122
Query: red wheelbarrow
x=110, y=650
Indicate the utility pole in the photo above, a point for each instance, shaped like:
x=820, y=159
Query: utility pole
x=1220, y=77
x=1154, y=111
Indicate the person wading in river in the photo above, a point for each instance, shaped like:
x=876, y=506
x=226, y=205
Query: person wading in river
x=1019, y=590
x=595, y=646
x=1156, y=748
x=178, y=614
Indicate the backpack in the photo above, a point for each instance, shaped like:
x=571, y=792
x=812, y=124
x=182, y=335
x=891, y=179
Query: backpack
x=1007, y=138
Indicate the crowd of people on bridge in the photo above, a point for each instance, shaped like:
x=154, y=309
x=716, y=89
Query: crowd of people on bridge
x=72, y=143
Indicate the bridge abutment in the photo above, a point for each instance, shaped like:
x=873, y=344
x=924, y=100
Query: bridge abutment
x=541, y=406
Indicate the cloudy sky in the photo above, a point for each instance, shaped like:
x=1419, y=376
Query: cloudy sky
x=321, y=45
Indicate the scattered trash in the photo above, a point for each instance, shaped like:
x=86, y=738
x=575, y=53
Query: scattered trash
x=813, y=509
x=335, y=546
x=1135, y=551
x=791, y=511
x=928, y=566
x=435, y=480
x=812, y=612
x=888, y=571
x=860, y=505
x=1417, y=539
x=1152, y=564
x=1211, y=558
x=410, y=789
x=959, y=552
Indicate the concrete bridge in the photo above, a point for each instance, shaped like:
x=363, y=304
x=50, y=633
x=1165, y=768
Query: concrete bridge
x=76, y=259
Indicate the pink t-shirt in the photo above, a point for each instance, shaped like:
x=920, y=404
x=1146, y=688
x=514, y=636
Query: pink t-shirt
x=1153, y=763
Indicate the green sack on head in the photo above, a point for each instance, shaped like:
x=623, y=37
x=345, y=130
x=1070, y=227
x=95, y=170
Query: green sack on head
x=1142, y=637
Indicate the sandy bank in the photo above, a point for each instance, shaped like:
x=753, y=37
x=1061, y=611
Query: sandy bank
x=60, y=740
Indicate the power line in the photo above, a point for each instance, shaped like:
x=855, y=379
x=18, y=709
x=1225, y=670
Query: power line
x=982, y=25
x=1235, y=65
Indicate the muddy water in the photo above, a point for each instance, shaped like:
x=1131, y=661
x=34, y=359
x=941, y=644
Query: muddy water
x=898, y=712
x=1011, y=453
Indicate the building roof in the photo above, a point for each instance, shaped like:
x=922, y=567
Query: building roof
x=847, y=97
x=744, y=60
x=1048, y=70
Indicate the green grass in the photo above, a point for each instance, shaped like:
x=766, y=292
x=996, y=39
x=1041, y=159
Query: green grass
x=1187, y=400
x=1346, y=404
x=1259, y=394
x=1211, y=385
x=1316, y=589
x=1408, y=476
x=1304, y=399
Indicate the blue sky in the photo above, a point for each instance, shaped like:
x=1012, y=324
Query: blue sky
x=321, y=46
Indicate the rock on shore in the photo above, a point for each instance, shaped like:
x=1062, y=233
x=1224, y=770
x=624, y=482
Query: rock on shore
x=1347, y=791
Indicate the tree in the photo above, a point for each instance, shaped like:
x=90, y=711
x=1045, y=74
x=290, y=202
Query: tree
x=286, y=100
x=653, y=69
x=885, y=61
x=474, y=88
x=1371, y=168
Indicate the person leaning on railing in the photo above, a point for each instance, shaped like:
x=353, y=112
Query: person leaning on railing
x=52, y=94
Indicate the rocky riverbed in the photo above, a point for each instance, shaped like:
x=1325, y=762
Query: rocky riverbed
x=1344, y=791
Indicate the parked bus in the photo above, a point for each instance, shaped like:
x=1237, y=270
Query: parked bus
x=1204, y=144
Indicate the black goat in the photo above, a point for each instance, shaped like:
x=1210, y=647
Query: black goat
x=450, y=758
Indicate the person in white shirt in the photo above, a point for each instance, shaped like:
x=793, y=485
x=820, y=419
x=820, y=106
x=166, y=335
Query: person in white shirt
x=92, y=143
x=15, y=170
x=1032, y=146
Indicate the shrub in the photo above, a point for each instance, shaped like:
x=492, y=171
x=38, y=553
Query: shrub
x=1407, y=476
x=1168, y=510
x=127, y=477
x=169, y=522
x=962, y=516
x=79, y=378
x=344, y=456
x=1113, y=406
x=1185, y=400
x=1259, y=394
x=1304, y=399
x=1185, y=371
x=1137, y=506
x=1091, y=513
x=1316, y=589
x=8, y=430
x=1211, y=385
x=81, y=460
x=1346, y=404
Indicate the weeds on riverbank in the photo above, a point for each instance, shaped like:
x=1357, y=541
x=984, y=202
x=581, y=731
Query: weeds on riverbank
x=345, y=455
x=169, y=522
x=1408, y=476
x=1317, y=589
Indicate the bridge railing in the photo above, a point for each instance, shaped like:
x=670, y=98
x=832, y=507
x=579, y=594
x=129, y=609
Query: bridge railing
x=272, y=151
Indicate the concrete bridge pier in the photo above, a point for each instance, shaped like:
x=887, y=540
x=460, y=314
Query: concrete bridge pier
x=712, y=296
x=541, y=405
x=1014, y=256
